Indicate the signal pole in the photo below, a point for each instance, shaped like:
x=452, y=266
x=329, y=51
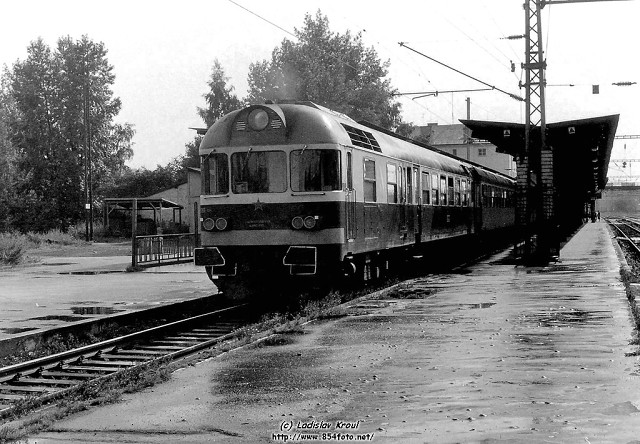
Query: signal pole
x=535, y=192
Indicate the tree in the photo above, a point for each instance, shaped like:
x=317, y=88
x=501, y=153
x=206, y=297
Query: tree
x=220, y=100
x=333, y=70
x=66, y=105
x=8, y=153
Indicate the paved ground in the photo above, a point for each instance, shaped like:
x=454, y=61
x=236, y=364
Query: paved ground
x=491, y=354
x=61, y=290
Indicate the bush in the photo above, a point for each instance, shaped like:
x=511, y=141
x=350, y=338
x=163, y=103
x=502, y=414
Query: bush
x=12, y=248
x=52, y=237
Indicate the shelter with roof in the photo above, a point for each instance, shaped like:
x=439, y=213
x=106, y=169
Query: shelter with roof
x=135, y=206
x=580, y=160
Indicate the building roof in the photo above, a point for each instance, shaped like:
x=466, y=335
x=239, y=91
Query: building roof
x=143, y=203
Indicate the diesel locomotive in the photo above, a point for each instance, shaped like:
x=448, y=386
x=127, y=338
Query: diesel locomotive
x=296, y=194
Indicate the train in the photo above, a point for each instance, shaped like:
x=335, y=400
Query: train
x=295, y=194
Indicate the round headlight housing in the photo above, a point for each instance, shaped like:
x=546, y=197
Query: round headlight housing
x=208, y=224
x=258, y=119
x=309, y=222
x=221, y=223
x=297, y=222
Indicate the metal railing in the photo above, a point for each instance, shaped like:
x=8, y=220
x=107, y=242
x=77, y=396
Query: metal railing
x=162, y=249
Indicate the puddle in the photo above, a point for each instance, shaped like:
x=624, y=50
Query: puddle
x=481, y=305
x=15, y=331
x=55, y=264
x=94, y=310
x=559, y=318
x=58, y=318
x=415, y=291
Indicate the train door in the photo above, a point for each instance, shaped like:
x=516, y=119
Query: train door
x=411, y=220
x=350, y=201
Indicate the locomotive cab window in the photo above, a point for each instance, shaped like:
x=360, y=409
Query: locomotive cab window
x=369, y=180
x=315, y=170
x=259, y=172
x=215, y=172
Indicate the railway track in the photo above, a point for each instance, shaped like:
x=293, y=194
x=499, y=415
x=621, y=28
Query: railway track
x=47, y=378
x=628, y=229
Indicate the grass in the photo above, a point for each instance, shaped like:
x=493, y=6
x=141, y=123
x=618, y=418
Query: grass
x=14, y=246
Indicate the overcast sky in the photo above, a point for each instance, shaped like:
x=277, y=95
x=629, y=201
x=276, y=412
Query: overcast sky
x=163, y=53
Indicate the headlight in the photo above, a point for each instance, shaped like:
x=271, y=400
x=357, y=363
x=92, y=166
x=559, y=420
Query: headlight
x=297, y=222
x=208, y=224
x=221, y=223
x=309, y=222
x=258, y=119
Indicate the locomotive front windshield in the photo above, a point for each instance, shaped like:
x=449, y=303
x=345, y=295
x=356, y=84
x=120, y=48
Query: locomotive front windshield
x=215, y=169
x=315, y=170
x=259, y=172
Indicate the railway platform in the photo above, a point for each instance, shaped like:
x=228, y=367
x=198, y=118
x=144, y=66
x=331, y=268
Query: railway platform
x=60, y=291
x=490, y=353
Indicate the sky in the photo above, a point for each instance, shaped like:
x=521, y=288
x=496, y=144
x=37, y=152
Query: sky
x=163, y=52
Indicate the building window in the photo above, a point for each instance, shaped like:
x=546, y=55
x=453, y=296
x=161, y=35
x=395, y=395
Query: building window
x=482, y=152
x=454, y=152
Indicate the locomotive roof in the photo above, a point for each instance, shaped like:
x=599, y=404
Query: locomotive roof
x=308, y=123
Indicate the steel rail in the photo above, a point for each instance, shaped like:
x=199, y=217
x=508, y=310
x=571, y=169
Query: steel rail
x=625, y=236
x=54, y=376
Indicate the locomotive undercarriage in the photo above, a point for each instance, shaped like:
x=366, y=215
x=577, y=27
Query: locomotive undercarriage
x=265, y=272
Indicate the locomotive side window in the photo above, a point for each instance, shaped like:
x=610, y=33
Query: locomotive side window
x=349, y=172
x=259, y=172
x=315, y=170
x=215, y=171
x=426, y=189
x=435, y=191
x=392, y=184
x=369, y=180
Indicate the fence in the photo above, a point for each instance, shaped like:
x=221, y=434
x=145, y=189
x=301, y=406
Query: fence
x=162, y=249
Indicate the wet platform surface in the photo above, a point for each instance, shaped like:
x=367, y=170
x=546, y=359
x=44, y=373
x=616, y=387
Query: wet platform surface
x=60, y=291
x=493, y=353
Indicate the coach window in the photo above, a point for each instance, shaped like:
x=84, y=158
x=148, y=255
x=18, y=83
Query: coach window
x=315, y=170
x=426, y=189
x=443, y=190
x=457, y=193
x=435, y=190
x=369, y=180
x=450, y=192
x=215, y=171
x=463, y=190
x=392, y=183
x=259, y=172
x=416, y=186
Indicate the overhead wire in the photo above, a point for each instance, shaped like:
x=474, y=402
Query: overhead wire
x=288, y=32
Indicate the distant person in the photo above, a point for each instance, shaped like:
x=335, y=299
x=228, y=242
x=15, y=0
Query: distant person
x=598, y=214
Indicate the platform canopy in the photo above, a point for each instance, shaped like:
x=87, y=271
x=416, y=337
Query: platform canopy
x=554, y=193
x=582, y=148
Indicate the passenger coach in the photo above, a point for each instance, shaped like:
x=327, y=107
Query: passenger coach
x=297, y=193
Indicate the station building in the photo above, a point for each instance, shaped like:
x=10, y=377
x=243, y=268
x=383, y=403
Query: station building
x=457, y=141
